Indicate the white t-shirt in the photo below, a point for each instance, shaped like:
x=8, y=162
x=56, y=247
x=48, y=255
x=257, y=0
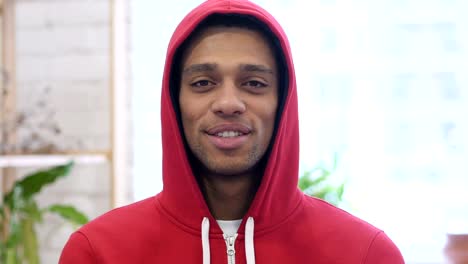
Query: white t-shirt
x=229, y=227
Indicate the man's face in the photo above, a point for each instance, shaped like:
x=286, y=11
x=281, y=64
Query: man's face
x=228, y=98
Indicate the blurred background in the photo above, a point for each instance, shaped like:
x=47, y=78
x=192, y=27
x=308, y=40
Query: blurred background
x=383, y=90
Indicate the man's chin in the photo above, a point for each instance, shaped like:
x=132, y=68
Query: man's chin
x=223, y=165
x=229, y=170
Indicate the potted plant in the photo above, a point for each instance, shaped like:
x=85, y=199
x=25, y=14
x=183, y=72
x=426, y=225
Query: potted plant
x=20, y=212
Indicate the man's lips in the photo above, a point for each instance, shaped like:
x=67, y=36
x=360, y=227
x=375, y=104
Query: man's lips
x=228, y=136
x=243, y=129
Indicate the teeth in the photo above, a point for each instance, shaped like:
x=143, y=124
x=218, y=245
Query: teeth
x=227, y=134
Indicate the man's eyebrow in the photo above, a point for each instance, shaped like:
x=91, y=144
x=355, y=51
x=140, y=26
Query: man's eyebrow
x=202, y=67
x=256, y=68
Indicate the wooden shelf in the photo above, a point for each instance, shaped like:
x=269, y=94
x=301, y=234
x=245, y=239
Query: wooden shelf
x=18, y=161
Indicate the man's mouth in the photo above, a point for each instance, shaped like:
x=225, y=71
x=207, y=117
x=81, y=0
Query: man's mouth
x=229, y=134
x=228, y=130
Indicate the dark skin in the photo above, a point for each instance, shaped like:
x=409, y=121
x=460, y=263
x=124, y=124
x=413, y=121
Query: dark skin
x=228, y=101
x=229, y=198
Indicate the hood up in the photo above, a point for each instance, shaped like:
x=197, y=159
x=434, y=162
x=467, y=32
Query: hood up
x=278, y=195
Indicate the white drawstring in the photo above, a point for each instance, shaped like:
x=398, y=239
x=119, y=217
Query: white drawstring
x=205, y=227
x=249, y=243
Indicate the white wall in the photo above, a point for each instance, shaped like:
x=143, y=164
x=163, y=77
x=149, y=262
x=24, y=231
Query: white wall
x=65, y=45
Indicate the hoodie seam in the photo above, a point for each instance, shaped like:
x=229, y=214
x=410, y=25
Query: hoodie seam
x=93, y=251
x=370, y=245
x=315, y=199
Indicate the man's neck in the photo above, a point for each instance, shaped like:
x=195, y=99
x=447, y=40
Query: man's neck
x=229, y=197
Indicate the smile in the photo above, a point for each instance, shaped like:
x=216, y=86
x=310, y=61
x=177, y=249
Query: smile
x=229, y=134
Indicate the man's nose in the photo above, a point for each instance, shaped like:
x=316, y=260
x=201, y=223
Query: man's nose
x=228, y=101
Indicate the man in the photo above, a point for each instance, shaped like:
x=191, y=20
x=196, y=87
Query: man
x=230, y=167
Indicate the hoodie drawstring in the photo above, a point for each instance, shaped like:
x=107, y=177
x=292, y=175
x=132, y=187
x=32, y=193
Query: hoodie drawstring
x=205, y=236
x=249, y=243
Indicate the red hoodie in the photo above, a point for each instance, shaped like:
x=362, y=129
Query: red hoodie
x=282, y=224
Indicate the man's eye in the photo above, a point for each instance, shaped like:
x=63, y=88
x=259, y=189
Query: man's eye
x=201, y=83
x=255, y=84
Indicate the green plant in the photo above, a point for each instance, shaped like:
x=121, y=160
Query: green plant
x=318, y=182
x=19, y=213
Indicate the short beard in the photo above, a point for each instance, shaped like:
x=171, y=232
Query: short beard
x=227, y=168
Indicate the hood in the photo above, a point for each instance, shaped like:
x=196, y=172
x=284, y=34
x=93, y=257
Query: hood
x=278, y=195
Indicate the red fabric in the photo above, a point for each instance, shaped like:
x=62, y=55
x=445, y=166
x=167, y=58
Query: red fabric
x=289, y=227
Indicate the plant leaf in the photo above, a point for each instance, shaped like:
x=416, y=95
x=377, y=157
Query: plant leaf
x=15, y=235
x=30, y=244
x=69, y=213
x=304, y=181
x=318, y=182
x=32, y=211
x=11, y=256
x=324, y=173
x=33, y=183
x=13, y=200
x=340, y=191
x=307, y=180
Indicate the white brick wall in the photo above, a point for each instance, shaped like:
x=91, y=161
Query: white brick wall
x=92, y=99
x=60, y=67
x=65, y=45
x=57, y=13
x=73, y=39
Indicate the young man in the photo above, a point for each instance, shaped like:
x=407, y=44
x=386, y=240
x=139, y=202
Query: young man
x=230, y=167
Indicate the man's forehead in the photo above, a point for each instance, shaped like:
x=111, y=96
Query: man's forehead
x=211, y=67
